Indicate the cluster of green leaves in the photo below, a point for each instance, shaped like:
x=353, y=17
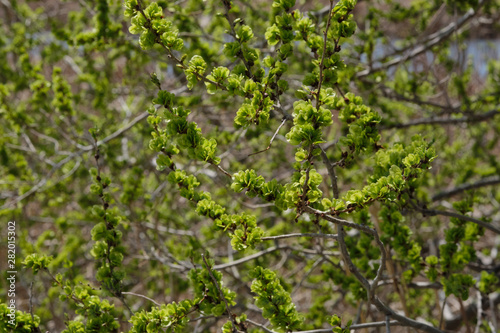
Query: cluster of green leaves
x=285, y=197
x=455, y=254
x=178, y=135
x=336, y=322
x=399, y=235
x=274, y=300
x=259, y=65
x=171, y=317
x=174, y=316
x=396, y=172
x=93, y=313
x=107, y=250
x=207, y=294
x=23, y=322
x=185, y=134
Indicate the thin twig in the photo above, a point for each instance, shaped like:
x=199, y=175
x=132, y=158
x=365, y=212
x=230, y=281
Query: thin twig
x=465, y=187
x=420, y=48
x=251, y=257
x=326, y=216
x=331, y=236
x=347, y=259
x=493, y=313
x=272, y=139
x=321, y=64
x=479, y=312
x=224, y=171
x=402, y=319
x=464, y=315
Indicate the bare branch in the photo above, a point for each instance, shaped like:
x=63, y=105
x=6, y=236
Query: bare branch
x=272, y=139
x=350, y=265
x=429, y=42
x=331, y=171
x=260, y=326
x=339, y=221
x=402, y=319
x=388, y=324
x=331, y=236
x=142, y=296
x=465, y=187
x=473, y=118
x=251, y=257
x=433, y=212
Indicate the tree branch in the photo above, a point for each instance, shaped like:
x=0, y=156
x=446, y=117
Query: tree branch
x=433, y=212
x=429, y=42
x=465, y=187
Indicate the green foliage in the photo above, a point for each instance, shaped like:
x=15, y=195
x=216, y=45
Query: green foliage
x=37, y=262
x=274, y=300
x=17, y=321
x=353, y=169
x=335, y=321
x=171, y=317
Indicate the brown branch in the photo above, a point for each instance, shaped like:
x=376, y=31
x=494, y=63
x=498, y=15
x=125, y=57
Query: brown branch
x=331, y=236
x=381, y=306
x=250, y=257
x=323, y=54
x=473, y=118
x=272, y=139
x=465, y=187
x=35, y=329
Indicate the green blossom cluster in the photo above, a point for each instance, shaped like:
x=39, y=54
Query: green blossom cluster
x=308, y=123
x=93, y=313
x=173, y=317
x=167, y=318
x=185, y=134
x=396, y=171
x=288, y=196
x=23, y=322
x=339, y=278
x=206, y=293
x=152, y=26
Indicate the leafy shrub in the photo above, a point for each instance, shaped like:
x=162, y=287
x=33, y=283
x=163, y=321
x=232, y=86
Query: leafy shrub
x=249, y=166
